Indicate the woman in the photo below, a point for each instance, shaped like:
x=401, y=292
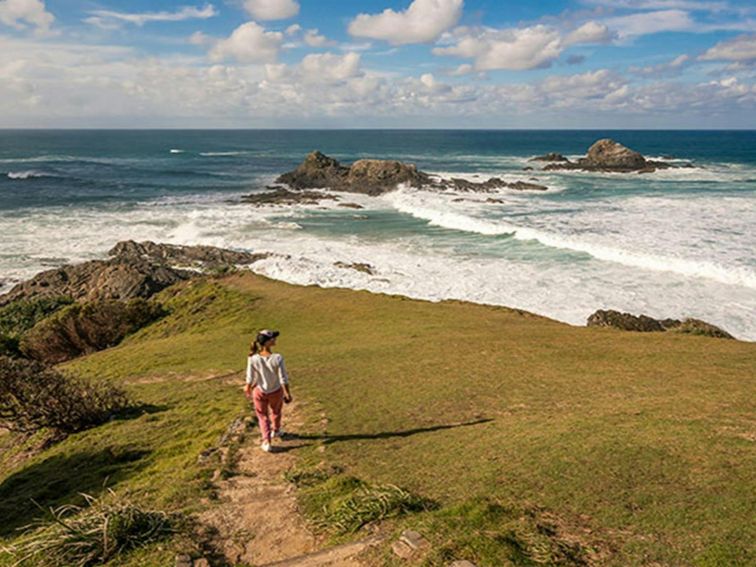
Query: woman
x=267, y=385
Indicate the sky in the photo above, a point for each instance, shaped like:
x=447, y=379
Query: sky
x=378, y=64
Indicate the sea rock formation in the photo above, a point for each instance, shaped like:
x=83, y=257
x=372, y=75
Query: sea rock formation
x=551, y=156
x=279, y=195
x=645, y=324
x=369, y=176
x=609, y=156
x=134, y=269
x=375, y=177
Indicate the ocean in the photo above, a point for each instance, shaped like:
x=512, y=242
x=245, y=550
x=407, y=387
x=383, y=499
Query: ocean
x=674, y=243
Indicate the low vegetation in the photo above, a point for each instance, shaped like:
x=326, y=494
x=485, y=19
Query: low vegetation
x=34, y=396
x=92, y=534
x=20, y=316
x=84, y=328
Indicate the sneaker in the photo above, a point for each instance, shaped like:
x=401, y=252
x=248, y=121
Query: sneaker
x=279, y=434
x=266, y=446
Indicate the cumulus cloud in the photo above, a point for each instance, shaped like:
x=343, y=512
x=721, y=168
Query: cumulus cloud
x=249, y=43
x=423, y=21
x=272, y=9
x=741, y=49
x=314, y=38
x=531, y=47
x=109, y=18
x=21, y=14
x=330, y=67
x=669, y=68
x=589, y=32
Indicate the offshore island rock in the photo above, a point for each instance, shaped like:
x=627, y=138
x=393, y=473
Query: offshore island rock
x=606, y=155
x=376, y=177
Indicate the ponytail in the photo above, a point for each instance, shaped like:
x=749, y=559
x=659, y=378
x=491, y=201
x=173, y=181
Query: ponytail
x=254, y=348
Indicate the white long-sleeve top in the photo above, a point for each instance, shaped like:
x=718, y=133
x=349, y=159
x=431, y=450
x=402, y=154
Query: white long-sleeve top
x=267, y=372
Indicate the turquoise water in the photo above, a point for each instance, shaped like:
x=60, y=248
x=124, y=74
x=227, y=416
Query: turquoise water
x=670, y=244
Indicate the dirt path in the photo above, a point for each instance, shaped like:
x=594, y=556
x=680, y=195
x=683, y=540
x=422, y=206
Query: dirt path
x=257, y=520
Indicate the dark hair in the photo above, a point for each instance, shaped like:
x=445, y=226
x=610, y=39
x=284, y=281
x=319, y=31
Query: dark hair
x=254, y=348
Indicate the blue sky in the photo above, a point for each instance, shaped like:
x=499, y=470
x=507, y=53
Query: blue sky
x=378, y=63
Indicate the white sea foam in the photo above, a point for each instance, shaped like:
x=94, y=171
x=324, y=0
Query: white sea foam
x=432, y=266
x=21, y=175
x=448, y=215
x=176, y=151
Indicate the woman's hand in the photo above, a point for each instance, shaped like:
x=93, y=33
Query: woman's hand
x=287, y=395
x=248, y=391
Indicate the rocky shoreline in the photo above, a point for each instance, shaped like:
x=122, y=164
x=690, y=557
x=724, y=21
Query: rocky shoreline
x=77, y=309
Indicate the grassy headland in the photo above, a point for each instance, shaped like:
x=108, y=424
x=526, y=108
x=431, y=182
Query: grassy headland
x=640, y=443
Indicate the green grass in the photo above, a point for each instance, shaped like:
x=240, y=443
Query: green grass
x=646, y=440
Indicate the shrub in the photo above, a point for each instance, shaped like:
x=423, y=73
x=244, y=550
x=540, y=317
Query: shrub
x=33, y=396
x=92, y=534
x=20, y=316
x=85, y=328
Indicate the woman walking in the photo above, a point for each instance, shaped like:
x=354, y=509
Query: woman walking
x=267, y=385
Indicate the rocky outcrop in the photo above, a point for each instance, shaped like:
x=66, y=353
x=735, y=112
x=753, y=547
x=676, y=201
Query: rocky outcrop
x=134, y=269
x=551, y=156
x=369, y=176
x=278, y=195
x=85, y=328
x=375, y=177
x=645, y=324
x=606, y=155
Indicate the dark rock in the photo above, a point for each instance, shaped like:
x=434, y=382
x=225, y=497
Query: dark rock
x=528, y=168
x=643, y=323
x=133, y=270
x=551, y=156
x=624, y=321
x=369, y=176
x=351, y=206
x=282, y=196
x=375, y=177
x=698, y=327
x=610, y=156
x=86, y=328
x=358, y=266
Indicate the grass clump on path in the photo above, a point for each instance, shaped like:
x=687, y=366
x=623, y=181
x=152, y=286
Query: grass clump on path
x=92, y=534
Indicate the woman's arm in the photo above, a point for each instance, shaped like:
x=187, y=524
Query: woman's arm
x=284, y=377
x=250, y=379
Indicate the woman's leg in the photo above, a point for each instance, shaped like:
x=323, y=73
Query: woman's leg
x=275, y=400
x=261, y=409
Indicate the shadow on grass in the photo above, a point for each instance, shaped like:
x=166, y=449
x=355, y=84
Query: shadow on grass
x=330, y=439
x=138, y=410
x=60, y=480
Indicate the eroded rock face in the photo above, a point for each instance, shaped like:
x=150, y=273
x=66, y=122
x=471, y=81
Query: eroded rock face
x=375, y=177
x=279, y=195
x=645, y=324
x=610, y=156
x=135, y=269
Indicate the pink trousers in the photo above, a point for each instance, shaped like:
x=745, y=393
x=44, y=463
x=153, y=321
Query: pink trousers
x=265, y=402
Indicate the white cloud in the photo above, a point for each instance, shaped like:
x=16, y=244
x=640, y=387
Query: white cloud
x=20, y=14
x=272, y=9
x=741, y=49
x=513, y=49
x=109, y=18
x=669, y=68
x=330, y=67
x=423, y=21
x=646, y=23
x=314, y=39
x=293, y=29
x=589, y=32
x=249, y=43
